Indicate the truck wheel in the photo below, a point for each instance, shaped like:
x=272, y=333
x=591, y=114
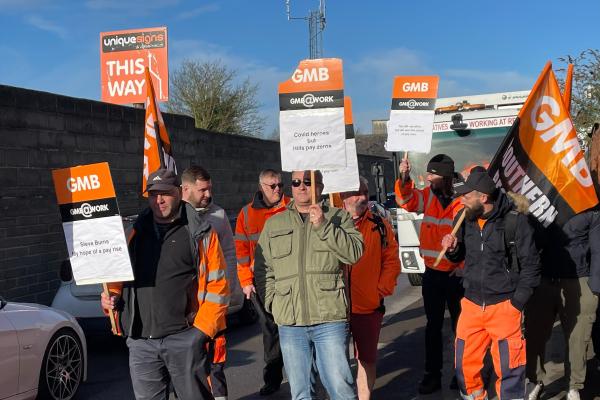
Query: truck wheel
x=415, y=279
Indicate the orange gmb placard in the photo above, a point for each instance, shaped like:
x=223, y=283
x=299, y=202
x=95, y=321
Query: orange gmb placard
x=124, y=55
x=422, y=87
x=317, y=75
x=348, y=110
x=548, y=136
x=83, y=183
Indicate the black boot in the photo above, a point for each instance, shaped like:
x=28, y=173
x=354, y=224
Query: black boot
x=430, y=383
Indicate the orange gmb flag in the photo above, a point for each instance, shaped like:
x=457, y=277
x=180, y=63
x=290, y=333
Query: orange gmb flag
x=568, y=88
x=157, y=149
x=541, y=157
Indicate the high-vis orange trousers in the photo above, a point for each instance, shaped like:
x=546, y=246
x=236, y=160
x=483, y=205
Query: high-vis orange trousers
x=498, y=328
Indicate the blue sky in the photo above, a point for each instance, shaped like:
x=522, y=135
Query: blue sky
x=474, y=46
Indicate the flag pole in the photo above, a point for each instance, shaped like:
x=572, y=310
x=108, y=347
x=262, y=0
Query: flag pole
x=568, y=88
x=454, y=230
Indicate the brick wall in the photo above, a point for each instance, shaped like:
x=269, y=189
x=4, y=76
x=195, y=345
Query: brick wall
x=42, y=131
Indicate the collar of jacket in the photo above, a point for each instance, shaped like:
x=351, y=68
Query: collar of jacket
x=502, y=205
x=258, y=201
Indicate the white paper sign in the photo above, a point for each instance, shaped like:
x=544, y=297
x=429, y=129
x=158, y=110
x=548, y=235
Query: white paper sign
x=345, y=179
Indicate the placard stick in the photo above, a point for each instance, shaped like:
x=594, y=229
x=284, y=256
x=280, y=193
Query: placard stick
x=331, y=200
x=404, y=158
x=454, y=230
x=113, y=324
x=313, y=193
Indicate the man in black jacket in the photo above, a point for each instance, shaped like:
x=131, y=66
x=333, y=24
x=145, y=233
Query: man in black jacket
x=570, y=282
x=495, y=290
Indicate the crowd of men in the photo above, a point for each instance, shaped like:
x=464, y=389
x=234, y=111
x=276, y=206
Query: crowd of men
x=318, y=274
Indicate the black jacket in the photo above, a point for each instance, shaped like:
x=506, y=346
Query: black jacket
x=573, y=250
x=487, y=278
x=163, y=298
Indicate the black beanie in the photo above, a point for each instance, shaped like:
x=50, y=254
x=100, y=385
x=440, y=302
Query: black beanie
x=441, y=165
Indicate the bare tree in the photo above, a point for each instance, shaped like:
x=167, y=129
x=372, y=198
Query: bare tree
x=585, y=99
x=208, y=92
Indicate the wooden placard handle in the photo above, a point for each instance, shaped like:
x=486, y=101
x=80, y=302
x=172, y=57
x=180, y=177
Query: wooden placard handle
x=454, y=230
x=113, y=324
x=313, y=193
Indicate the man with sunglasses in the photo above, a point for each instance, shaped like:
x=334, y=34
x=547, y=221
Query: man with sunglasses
x=268, y=201
x=299, y=275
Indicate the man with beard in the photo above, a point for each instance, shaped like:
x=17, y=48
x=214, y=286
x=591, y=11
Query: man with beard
x=370, y=279
x=441, y=286
x=499, y=277
x=196, y=187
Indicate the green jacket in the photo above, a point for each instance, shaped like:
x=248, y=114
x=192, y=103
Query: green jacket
x=298, y=268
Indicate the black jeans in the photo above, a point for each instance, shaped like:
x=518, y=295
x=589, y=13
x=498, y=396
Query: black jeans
x=273, y=371
x=439, y=290
x=179, y=359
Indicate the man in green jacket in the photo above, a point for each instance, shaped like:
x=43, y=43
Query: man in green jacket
x=299, y=274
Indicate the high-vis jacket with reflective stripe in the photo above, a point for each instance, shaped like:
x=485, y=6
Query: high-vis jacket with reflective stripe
x=189, y=285
x=437, y=220
x=249, y=225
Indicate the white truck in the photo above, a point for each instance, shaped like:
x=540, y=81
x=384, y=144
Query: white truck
x=469, y=129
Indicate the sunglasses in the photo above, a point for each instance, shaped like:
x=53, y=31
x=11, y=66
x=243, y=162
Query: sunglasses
x=297, y=182
x=273, y=186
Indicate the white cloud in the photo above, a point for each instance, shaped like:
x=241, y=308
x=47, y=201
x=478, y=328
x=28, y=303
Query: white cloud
x=207, y=8
x=46, y=25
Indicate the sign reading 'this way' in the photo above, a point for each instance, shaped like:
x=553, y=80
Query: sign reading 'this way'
x=124, y=55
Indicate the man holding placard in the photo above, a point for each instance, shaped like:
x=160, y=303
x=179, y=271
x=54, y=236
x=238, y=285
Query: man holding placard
x=441, y=286
x=178, y=299
x=299, y=275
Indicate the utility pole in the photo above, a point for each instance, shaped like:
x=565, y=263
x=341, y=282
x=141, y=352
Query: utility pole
x=316, y=26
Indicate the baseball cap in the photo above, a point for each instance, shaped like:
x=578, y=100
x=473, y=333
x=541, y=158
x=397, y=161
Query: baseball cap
x=478, y=180
x=162, y=180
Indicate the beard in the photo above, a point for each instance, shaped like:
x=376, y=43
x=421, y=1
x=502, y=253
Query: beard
x=473, y=213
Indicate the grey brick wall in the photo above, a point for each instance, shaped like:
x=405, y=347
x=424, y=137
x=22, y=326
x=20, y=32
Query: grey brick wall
x=43, y=131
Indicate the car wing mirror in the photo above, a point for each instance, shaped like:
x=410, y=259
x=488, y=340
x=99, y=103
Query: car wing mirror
x=2, y=303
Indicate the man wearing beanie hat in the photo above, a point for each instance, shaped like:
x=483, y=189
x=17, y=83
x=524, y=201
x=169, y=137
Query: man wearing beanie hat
x=502, y=266
x=441, y=286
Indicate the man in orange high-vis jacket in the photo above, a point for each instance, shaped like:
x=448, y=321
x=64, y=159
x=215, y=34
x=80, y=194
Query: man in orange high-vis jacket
x=370, y=279
x=441, y=286
x=178, y=299
x=268, y=201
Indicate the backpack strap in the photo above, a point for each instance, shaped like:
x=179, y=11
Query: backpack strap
x=510, y=233
x=380, y=227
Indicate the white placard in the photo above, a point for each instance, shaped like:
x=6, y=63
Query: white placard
x=312, y=139
x=410, y=131
x=345, y=179
x=98, y=250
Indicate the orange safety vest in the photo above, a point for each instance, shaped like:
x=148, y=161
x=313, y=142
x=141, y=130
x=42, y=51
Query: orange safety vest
x=437, y=221
x=249, y=225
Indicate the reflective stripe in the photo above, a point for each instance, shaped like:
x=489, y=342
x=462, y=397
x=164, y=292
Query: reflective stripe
x=251, y=238
x=429, y=200
x=243, y=260
x=429, y=253
x=405, y=200
x=213, y=298
x=420, y=205
x=437, y=221
x=216, y=275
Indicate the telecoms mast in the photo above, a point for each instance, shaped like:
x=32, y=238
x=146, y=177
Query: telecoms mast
x=316, y=25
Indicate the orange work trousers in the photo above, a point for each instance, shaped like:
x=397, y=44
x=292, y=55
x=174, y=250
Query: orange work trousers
x=495, y=327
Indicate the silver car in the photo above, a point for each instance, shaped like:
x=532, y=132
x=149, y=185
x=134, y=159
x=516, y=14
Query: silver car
x=43, y=352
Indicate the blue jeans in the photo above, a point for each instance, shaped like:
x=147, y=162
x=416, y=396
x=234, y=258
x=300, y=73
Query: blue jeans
x=329, y=343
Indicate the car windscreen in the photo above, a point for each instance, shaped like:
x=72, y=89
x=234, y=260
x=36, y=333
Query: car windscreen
x=466, y=148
